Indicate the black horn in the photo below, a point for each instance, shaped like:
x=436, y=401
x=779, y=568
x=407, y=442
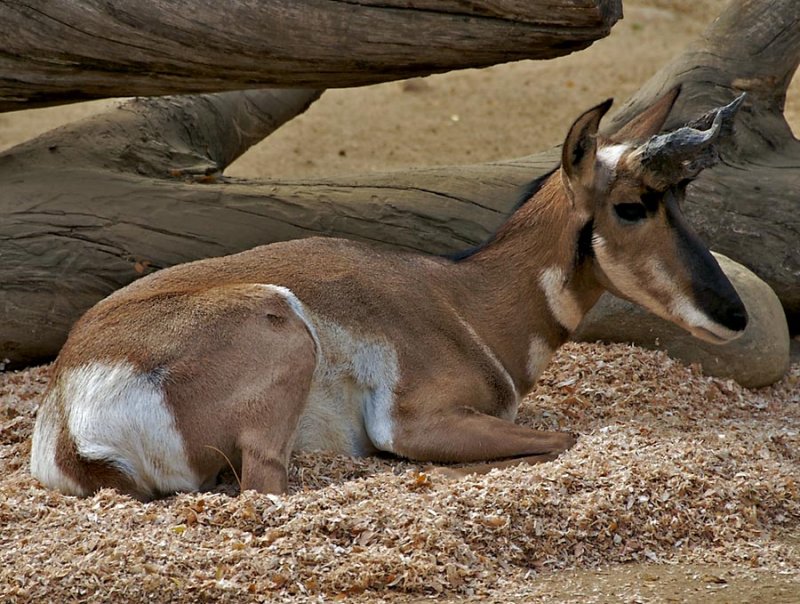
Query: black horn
x=684, y=153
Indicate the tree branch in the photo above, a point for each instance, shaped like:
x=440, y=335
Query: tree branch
x=63, y=52
x=170, y=136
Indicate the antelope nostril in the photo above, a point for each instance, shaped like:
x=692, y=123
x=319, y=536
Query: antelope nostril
x=736, y=318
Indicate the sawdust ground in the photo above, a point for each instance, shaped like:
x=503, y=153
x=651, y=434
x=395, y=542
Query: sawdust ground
x=692, y=479
x=716, y=465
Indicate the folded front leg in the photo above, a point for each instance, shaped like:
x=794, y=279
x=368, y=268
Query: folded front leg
x=465, y=435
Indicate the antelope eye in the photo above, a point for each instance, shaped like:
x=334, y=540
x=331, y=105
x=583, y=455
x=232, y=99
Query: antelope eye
x=630, y=212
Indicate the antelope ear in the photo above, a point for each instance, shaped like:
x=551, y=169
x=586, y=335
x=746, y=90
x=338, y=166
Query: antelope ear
x=579, y=151
x=648, y=122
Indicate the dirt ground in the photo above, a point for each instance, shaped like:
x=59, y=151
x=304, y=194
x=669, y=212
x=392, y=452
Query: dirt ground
x=212, y=547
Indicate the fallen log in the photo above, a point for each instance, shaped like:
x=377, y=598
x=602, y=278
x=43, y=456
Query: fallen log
x=90, y=207
x=61, y=52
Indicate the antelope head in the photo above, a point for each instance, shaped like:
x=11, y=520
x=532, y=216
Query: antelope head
x=630, y=188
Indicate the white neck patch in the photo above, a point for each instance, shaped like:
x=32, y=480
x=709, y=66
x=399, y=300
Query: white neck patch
x=562, y=302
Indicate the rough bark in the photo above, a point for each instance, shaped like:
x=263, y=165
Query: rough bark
x=90, y=207
x=58, y=52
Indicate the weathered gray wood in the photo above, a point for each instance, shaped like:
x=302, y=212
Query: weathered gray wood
x=167, y=136
x=58, y=52
x=88, y=208
x=85, y=207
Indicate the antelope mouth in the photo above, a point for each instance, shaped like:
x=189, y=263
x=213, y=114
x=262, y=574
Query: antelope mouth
x=703, y=327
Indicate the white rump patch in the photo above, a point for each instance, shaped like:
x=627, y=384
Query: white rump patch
x=119, y=415
x=560, y=299
x=43, y=449
x=539, y=355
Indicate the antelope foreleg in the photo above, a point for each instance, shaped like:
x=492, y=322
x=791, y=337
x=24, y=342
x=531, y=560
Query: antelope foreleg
x=263, y=470
x=467, y=436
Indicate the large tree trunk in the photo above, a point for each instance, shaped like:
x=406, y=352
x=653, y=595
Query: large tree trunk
x=62, y=52
x=90, y=207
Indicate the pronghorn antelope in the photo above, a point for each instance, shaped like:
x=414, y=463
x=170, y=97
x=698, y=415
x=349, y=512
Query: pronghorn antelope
x=335, y=345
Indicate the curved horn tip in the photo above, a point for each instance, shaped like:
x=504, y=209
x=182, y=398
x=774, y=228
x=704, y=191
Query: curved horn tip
x=724, y=116
x=733, y=107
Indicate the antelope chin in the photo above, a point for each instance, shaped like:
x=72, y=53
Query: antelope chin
x=720, y=335
x=701, y=327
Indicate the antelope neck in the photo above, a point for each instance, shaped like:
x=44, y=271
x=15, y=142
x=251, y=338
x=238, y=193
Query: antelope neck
x=530, y=286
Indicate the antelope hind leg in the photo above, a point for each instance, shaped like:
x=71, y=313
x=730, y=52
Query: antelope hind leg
x=244, y=401
x=262, y=470
x=268, y=425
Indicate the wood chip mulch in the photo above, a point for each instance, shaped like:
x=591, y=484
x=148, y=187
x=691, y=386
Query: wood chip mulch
x=670, y=466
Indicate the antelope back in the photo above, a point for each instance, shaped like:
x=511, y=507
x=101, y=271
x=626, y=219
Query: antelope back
x=630, y=189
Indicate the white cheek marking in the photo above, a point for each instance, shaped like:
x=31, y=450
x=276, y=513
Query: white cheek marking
x=539, y=355
x=119, y=415
x=626, y=282
x=681, y=306
x=43, y=449
x=560, y=300
x=673, y=298
x=684, y=308
x=667, y=302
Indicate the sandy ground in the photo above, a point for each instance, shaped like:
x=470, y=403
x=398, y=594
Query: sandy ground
x=727, y=530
